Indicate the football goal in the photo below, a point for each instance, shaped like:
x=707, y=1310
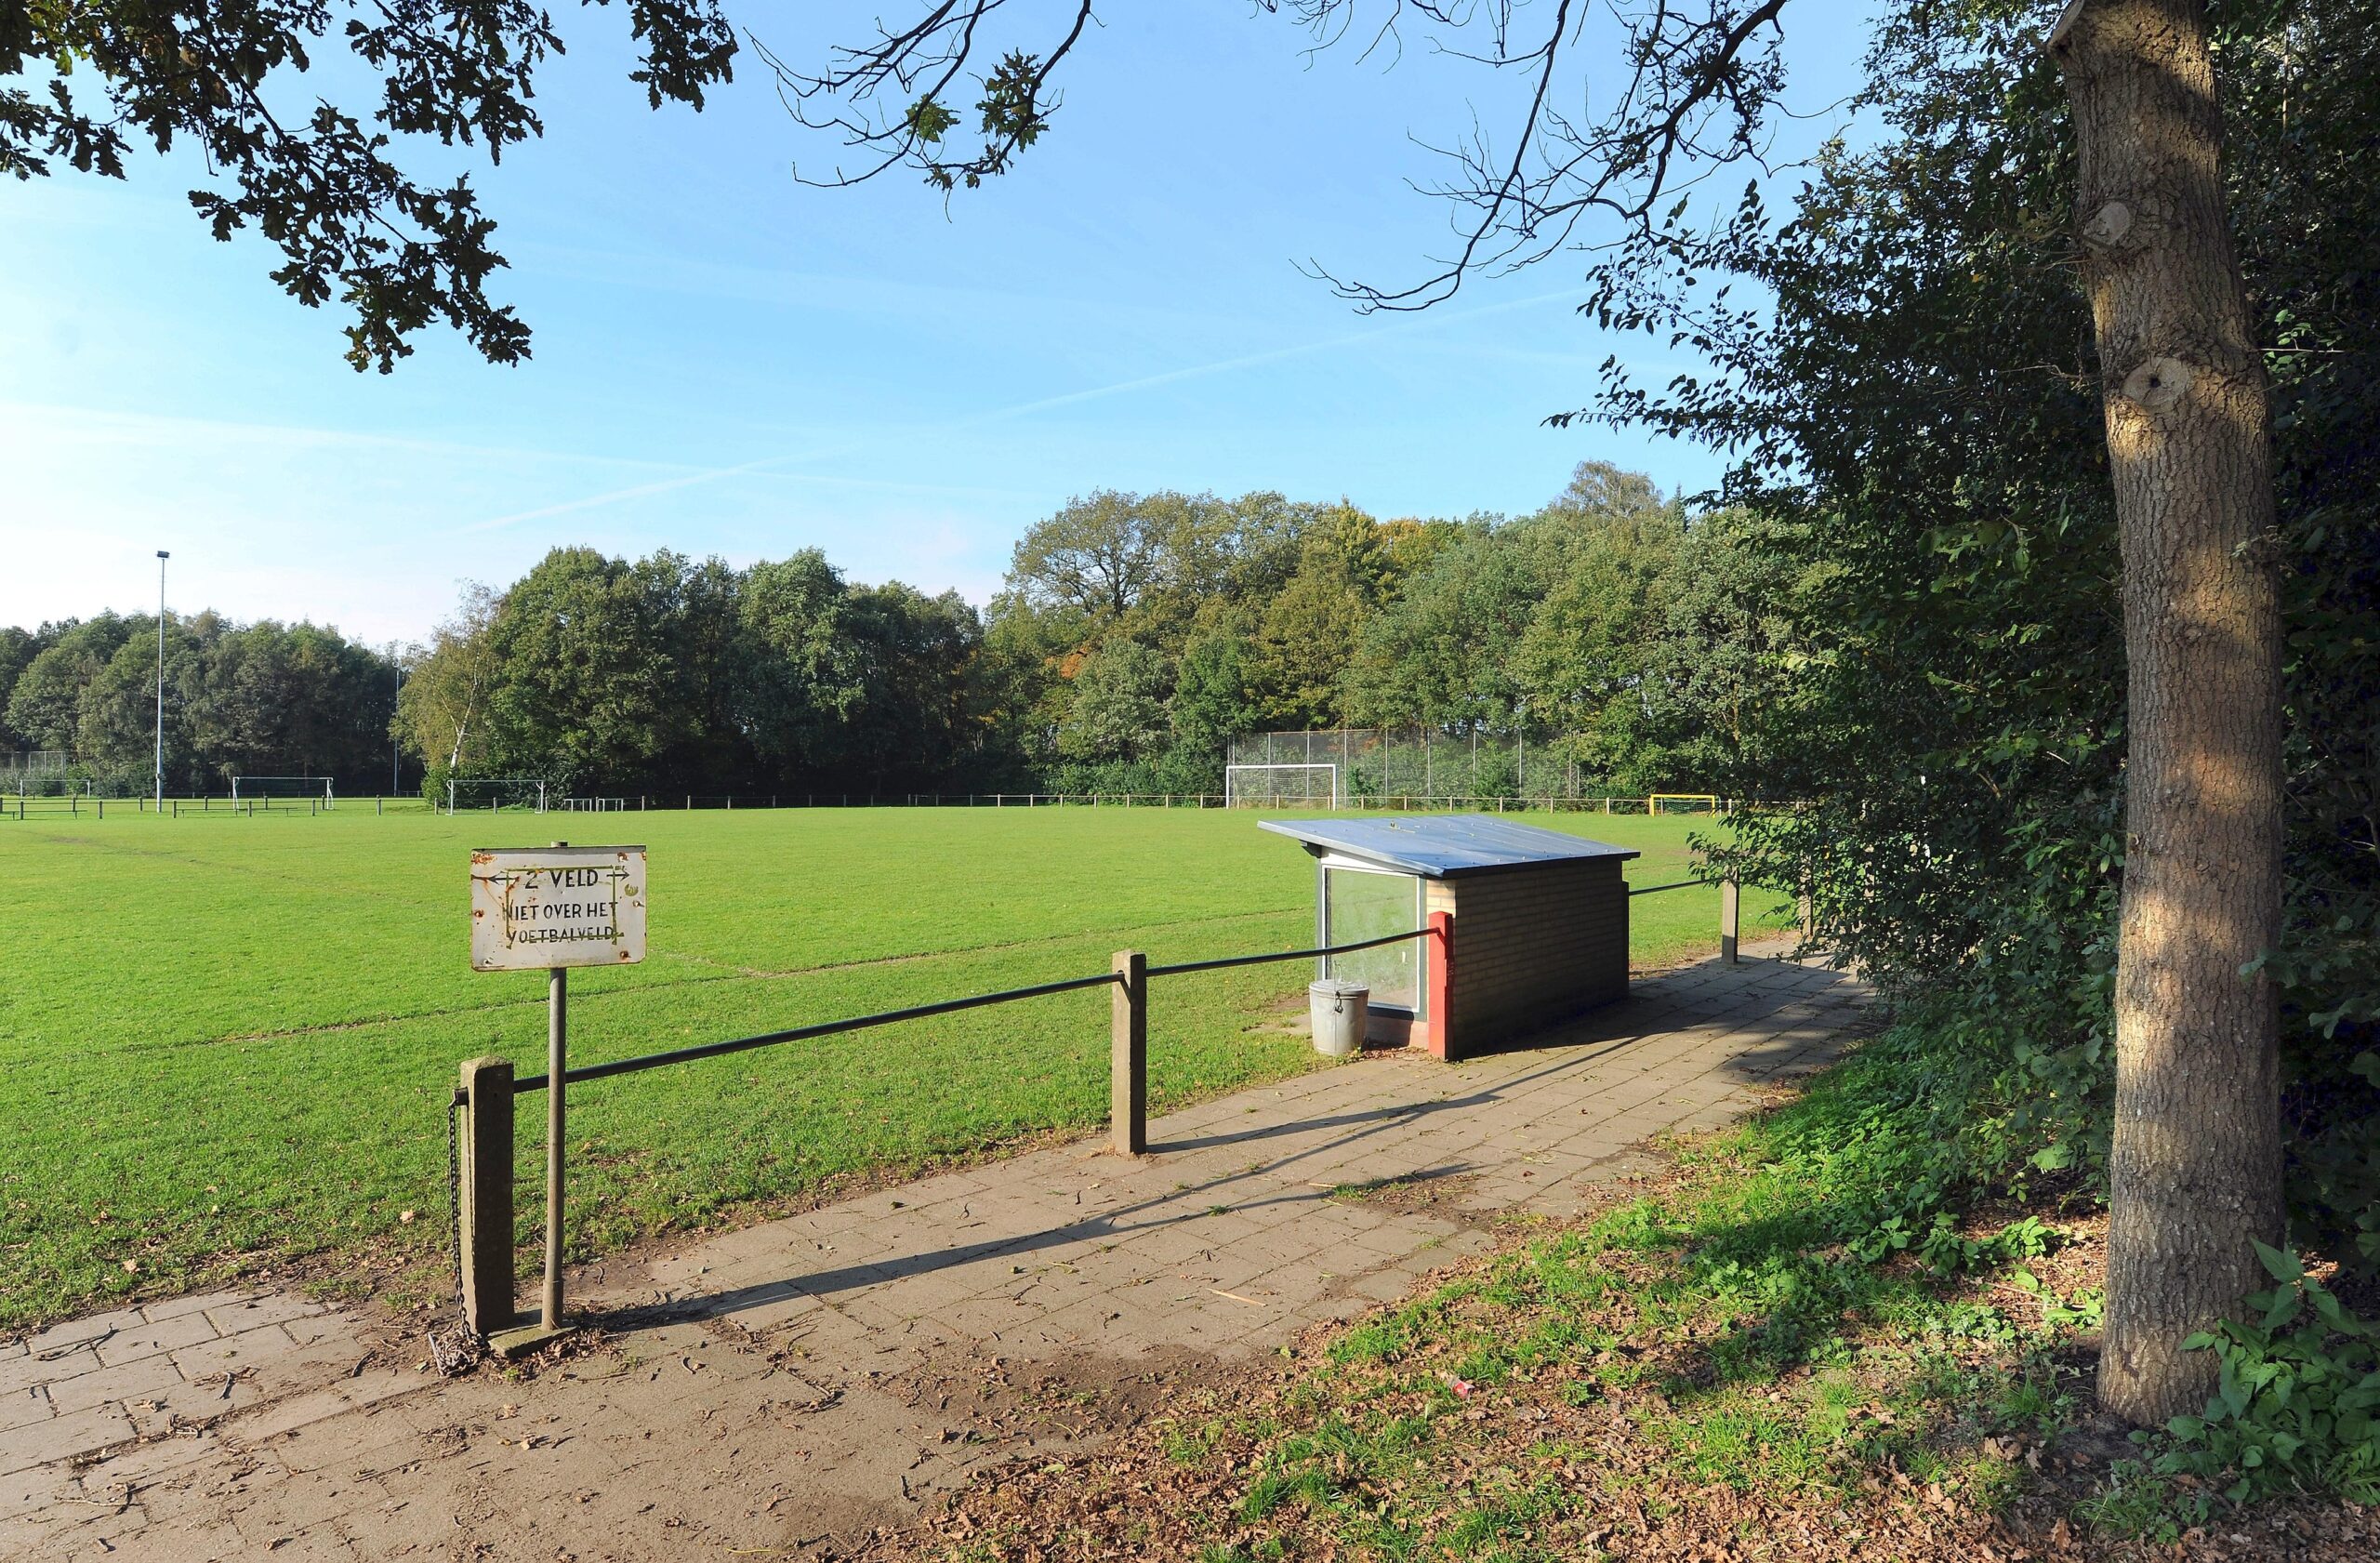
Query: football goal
x=1276, y=786
x=494, y=793
x=1682, y=803
x=594, y=805
x=250, y=787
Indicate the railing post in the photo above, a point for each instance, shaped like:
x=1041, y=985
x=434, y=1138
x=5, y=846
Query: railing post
x=483, y=1212
x=1128, y=1061
x=1730, y=918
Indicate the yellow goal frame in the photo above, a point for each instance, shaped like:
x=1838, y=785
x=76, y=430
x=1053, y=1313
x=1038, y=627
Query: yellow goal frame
x=1653, y=803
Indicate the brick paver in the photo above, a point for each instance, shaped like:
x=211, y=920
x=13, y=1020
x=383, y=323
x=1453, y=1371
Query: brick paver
x=775, y=1387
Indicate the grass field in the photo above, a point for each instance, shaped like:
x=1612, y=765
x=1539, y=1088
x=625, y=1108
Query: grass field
x=226, y=1041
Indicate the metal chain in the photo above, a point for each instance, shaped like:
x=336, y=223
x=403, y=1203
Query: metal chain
x=466, y=1345
x=455, y=1197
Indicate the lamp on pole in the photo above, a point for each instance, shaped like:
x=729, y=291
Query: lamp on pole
x=394, y=785
x=160, y=777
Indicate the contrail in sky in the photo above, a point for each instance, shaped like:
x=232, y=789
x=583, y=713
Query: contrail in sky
x=1021, y=409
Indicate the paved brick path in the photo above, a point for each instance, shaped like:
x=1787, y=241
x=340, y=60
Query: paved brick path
x=788, y=1383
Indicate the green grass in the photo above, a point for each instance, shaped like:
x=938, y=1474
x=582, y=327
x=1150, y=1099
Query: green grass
x=230, y=1038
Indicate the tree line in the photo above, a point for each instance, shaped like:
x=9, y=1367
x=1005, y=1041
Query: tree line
x=670, y=674
x=1620, y=634
x=1134, y=638
x=1615, y=631
x=262, y=699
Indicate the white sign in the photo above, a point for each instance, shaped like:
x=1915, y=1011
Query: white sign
x=544, y=906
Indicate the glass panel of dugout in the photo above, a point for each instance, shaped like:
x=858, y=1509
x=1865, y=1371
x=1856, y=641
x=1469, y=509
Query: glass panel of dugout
x=1364, y=903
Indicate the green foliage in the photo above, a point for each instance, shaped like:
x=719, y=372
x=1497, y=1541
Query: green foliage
x=1920, y=466
x=44, y=704
x=595, y=675
x=1612, y=630
x=85, y=82
x=668, y=674
x=1118, y=707
x=1495, y=779
x=18, y=648
x=1306, y=637
x=798, y=671
x=2298, y=1405
x=258, y=700
x=1441, y=654
x=2302, y=85
x=1213, y=701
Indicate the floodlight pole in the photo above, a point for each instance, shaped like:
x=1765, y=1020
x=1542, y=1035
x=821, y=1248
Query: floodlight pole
x=160, y=774
x=393, y=783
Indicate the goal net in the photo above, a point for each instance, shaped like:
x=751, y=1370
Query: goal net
x=594, y=805
x=1277, y=785
x=245, y=788
x=465, y=794
x=1682, y=803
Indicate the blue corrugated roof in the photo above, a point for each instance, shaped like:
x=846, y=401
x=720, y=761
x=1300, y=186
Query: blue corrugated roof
x=1441, y=846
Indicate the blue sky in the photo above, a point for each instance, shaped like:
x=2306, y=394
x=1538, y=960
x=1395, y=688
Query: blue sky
x=728, y=363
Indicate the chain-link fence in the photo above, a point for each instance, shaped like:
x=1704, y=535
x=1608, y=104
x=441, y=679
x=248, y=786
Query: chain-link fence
x=1382, y=764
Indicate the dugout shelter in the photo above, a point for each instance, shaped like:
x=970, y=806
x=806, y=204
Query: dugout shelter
x=1536, y=921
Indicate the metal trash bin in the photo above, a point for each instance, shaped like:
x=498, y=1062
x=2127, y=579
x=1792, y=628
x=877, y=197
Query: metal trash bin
x=1338, y=1008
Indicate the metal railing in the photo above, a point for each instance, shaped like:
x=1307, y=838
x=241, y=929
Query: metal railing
x=642, y=1061
x=484, y=1103
x=481, y=1119
x=1220, y=963
x=78, y=804
x=14, y=803
x=1386, y=802
x=803, y=1033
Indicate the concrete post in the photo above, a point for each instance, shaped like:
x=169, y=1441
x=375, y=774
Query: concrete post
x=1730, y=918
x=1437, y=964
x=484, y=1209
x=1128, y=1061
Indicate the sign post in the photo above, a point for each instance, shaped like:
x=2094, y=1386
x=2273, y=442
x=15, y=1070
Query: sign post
x=557, y=1053
x=553, y=908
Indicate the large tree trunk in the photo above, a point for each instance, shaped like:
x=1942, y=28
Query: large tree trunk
x=2196, y=1170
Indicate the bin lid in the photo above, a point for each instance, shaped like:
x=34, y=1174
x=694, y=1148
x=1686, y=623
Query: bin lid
x=1338, y=988
x=1443, y=846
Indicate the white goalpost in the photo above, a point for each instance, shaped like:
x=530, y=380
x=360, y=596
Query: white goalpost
x=594, y=805
x=496, y=793
x=1275, y=785
x=283, y=787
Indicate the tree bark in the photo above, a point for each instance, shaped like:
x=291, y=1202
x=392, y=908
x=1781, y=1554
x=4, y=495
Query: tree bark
x=2195, y=1173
